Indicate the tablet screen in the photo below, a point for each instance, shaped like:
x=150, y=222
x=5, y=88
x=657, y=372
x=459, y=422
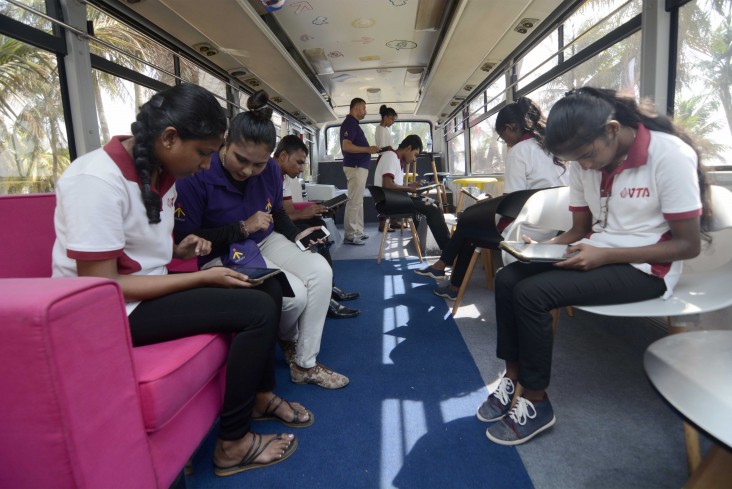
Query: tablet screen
x=335, y=201
x=257, y=275
x=536, y=252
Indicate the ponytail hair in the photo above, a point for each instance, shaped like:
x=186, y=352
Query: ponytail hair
x=527, y=115
x=580, y=117
x=194, y=113
x=255, y=125
x=385, y=111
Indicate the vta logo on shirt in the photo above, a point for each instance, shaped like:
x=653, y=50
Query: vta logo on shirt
x=179, y=214
x=269, y=205
x=637, y=193
x=236, y=255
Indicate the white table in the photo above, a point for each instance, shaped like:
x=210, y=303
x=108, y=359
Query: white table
x=693, y=372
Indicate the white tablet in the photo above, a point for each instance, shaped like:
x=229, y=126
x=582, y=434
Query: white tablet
x=536, y=252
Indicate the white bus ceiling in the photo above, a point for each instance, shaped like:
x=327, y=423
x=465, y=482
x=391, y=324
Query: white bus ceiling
x=383, y=51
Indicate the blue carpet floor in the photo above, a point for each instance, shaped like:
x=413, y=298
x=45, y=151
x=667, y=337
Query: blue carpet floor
x=407, y=420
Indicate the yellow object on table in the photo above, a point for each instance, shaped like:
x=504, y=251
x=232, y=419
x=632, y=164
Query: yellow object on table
x=467, y=181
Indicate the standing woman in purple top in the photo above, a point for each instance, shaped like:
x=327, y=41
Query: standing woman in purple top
x=356, y=159
x=114, y=219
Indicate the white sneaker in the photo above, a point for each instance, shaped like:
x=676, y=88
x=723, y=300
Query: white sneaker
x=363, y=236
x=356, y=240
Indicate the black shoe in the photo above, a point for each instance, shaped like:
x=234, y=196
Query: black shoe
x=341, y=296
x=338, y=311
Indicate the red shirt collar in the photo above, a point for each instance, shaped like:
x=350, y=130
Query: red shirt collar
x=526, y=136
x=126, y=164
x=638, y=152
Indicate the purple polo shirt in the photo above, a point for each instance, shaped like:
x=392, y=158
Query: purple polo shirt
x=209, y=200
x=351, y=130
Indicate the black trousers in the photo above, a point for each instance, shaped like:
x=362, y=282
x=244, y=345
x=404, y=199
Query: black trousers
x=526, y=292
x=251, y=315
x=435, y=220
x=461, y=248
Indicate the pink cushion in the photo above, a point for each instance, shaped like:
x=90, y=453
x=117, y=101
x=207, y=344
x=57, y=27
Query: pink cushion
x=71, y=415
x=29, y=219
x=171, y=373
x=302, y=205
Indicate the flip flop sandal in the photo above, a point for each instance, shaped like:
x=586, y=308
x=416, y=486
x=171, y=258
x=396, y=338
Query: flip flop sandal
x=269, y=414
x=255, y=449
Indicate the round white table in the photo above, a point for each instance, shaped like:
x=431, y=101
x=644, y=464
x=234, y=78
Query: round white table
x=693, y=372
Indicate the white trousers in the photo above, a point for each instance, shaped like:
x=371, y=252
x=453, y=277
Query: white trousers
x=353, y=217
x=311, y=278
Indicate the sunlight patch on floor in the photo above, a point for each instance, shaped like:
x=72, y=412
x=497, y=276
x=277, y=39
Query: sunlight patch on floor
x=466, y=311
x=392, y=317
x=451, y=408
x=403, y=417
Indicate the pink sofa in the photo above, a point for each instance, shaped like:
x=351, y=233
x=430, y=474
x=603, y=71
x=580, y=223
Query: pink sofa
x=82, y=407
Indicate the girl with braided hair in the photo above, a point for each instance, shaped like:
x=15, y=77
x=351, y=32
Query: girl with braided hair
x=114, y=219
x=636, y=195
x=237, y=205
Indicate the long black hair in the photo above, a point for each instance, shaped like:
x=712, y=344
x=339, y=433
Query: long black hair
x=527, y=115
x=255, y=125
x=580, y=117
x=194, y=113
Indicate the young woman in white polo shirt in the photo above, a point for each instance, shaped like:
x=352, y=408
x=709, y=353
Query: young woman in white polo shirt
x=636, y=194
x=114, y=219
x=529, y=165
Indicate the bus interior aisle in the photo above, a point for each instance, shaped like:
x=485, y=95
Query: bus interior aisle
x=613, y=429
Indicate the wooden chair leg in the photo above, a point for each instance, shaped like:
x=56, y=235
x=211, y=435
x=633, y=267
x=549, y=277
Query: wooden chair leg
x=416, y=238
x=693, y=447
x=466, y=279
x=387, y=223
x=570, y=311
x=555, y=320
x=488, y=266
x=459, y=203
x=691, y=435
x=714, y=471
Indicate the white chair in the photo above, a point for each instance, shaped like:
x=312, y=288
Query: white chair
x=542, y=217
x=705, y=280
x=546, y=211
x=703, y=287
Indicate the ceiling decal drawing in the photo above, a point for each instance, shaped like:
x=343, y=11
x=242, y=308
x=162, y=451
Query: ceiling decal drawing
x=401, y=44
x=362, y=23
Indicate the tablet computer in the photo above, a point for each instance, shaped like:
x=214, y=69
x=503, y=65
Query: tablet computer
x=536, y=252
x=425, y=188
x=335, y=201
x=257, y=275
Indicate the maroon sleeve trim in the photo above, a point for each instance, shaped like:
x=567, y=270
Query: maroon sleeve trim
x=579, y=209
x=680, y=216
x=94, y=255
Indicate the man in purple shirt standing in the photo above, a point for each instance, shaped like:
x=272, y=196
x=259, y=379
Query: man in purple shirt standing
x=356, y=159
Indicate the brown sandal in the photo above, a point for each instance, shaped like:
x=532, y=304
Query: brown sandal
x=256, y=449
x=299, y=422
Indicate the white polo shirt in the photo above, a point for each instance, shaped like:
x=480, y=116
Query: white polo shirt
x=528, y=166
x=291, y=189
x=656, y=183
x=388, y=164
x=100, y=215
